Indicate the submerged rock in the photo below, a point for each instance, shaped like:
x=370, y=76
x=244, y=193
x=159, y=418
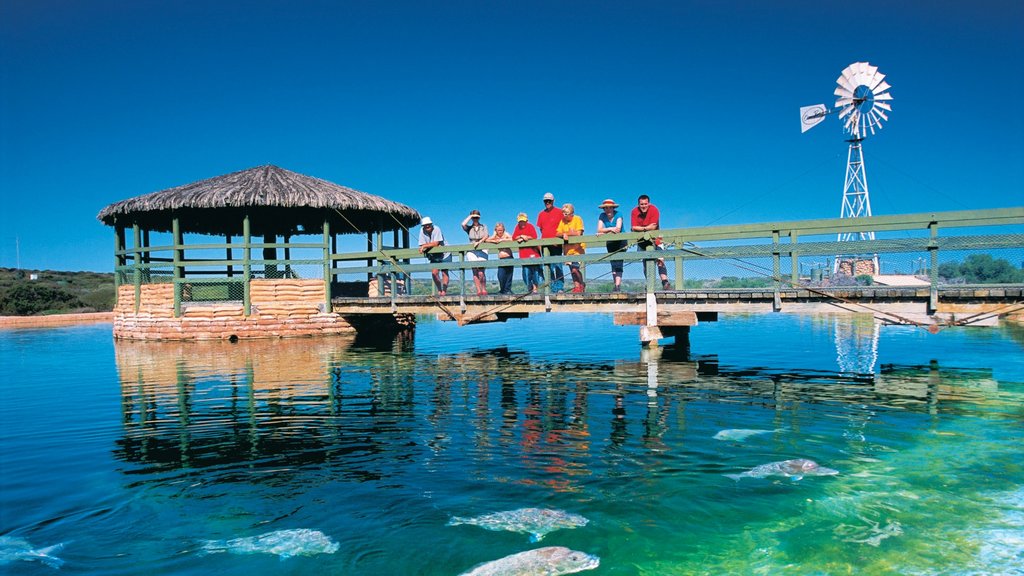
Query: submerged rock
x=537, y=522
x=739, y=434
x=549, y=561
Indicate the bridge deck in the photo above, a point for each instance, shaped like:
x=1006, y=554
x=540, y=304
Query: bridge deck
x=962, y=305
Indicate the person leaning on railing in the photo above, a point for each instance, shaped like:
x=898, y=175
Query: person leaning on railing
x=504, y=272
x=572, y=225
x=524, y=232
x=477, y=233
x=646, y=218
x=610, y=222
x=430, y=238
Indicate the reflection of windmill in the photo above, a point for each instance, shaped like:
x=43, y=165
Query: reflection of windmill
x=856, y=339
x=863, y=104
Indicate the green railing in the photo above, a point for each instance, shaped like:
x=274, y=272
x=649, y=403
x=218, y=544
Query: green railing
x=774, y=251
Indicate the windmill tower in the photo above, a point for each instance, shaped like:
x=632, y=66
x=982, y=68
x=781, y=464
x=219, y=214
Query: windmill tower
x=863, y=104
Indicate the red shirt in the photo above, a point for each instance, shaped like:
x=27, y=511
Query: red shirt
x=652, y=216
x=548, y=220
x=527, y=229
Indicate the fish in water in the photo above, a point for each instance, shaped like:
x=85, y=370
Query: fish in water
x=549, y=561
x=284, y=543
x=739, y=434
x=536, y=522
x=13, y=548
x=793, y=469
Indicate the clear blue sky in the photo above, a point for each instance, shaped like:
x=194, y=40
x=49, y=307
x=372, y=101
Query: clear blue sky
x=453, y=105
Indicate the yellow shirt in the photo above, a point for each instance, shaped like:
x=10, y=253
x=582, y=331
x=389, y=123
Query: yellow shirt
x=573, y=225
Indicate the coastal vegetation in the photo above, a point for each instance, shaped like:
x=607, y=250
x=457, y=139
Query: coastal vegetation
x=981, y=269
x=38, y=292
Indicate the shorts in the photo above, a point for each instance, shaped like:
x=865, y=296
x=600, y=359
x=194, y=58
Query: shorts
x=439, y=257
x=476, y=256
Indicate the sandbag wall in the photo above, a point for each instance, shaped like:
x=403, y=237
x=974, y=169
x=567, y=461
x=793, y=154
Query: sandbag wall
x=281, y=308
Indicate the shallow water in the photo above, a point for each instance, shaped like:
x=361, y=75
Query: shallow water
x=134, y=454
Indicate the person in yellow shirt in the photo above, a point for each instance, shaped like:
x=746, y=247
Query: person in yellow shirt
x=572, y=225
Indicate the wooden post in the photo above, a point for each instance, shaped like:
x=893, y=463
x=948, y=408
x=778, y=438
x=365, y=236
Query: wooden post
x=794, y=260
x=546, y=252
x=327, y=266
x=933, y=274
x=680, y=279
x=246, y=265
x=227, y=254
x=287, y=257
x=176, y=255
x=269, y=253
x=380, y=261
x=405, y=244
x=136, y=270
x=650, y=270
x=776, y=272
x=119, y=256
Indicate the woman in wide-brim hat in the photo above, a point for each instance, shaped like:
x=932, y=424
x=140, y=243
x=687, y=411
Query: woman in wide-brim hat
x=610, y=222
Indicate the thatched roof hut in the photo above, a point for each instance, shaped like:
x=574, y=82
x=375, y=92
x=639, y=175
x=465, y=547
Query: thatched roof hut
x=278, y=202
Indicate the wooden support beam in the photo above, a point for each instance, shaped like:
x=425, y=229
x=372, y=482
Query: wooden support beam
x=665, y=318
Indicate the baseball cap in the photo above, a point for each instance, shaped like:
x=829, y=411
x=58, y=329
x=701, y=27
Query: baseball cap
x=549, y=196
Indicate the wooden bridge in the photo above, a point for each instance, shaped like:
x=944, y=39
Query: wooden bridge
x=771, y=251
x=946, y=269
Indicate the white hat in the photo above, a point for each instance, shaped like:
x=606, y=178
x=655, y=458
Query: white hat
x=426, y=220
x=549, y=196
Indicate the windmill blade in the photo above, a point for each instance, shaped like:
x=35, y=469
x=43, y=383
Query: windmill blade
x=846, y=111
x=883, y=106
x=882, y=87
x=871, y=70
x=844, y=101
x=846, y=82
x=883, y=97
x=877, y=83
x=876, y=111
x=843, y=92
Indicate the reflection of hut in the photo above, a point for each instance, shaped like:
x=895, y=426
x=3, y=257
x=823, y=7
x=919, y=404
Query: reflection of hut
x=257, y=281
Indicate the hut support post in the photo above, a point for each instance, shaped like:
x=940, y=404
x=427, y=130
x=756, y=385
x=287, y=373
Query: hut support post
x=380, y=263
x=394, y=273
x=179, y=273
x=246, y=265
x=287, y=257
x=327, y=266
x=147, y=272
x=119, y=257
x=269, y=256
x=227, y=254
x=136, y=270
x=408, y=277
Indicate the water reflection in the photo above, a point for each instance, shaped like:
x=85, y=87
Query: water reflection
x=368, y=414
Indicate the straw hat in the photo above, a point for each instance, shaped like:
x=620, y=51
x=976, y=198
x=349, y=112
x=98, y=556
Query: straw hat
x=608, y=203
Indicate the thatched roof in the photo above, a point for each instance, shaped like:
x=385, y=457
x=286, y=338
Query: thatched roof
x=278, y=201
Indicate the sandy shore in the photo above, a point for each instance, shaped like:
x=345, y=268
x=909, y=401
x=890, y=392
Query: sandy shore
x=54, y=320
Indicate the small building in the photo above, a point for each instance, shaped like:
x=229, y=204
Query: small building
x=243, y=274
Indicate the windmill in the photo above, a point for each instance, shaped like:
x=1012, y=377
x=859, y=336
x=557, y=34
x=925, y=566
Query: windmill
x=863, y=104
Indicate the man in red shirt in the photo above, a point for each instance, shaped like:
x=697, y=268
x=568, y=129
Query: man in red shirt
x=645, y=218
x=547, y=221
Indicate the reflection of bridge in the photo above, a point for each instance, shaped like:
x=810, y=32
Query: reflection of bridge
x=758, y=250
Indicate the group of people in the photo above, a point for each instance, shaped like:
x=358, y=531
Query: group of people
x=551, y=222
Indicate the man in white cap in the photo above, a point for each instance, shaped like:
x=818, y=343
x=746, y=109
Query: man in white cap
x=430, y=238
x=547, y=222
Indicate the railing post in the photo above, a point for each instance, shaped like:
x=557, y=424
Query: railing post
x=650, y=270
x=176, y=258
x=408, y=277
x=793, y=259
x=136, y=270
x=776, y=272
x=246, y=265
x=680, y=280
x=327, y=266
x=546, y=252
x=933, y=274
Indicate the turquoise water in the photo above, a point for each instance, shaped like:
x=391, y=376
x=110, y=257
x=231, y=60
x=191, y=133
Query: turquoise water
x=134, y=454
